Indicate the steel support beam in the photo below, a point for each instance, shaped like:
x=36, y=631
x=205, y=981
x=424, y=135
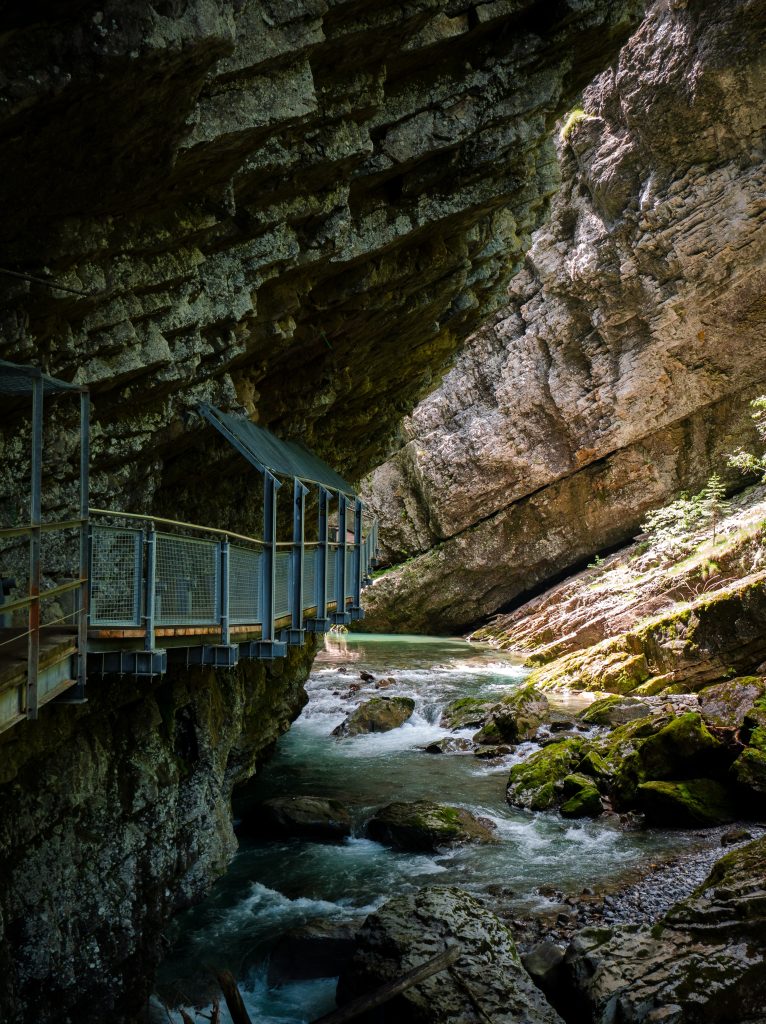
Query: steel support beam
x=35, y=574
x=322, y=623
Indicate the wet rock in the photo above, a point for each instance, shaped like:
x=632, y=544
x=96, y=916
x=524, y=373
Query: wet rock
x=488, y=753
x=516, y=718
x=307, y=817
x=366, y=677
x=734, y=836
x=543, y=963
x=686, y=804
x=749, y=771
x=616, y=709
x=537, y=783
x=318, y=949
x=729, y=703
x=379, y=714
x=487, y=982
x=383, y=684
x=466, y=713
x=581, y=797
x=704, y=963
x=426, y=826
x=448, y=745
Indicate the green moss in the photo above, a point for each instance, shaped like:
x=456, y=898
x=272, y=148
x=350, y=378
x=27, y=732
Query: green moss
x=749, y=771
x=537, y=782
x=466, y=712
x=686, y=804
x=581, y=797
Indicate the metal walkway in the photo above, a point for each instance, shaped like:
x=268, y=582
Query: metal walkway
x=150, y=592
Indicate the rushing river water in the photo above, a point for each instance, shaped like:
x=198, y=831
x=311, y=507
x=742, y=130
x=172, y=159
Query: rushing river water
x=272, y=887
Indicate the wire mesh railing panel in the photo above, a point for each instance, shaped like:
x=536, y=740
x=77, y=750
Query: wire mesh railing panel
x=332, y=566
x=188, y=581
x=282, y=581
x=349, y=572
x=115, y=577
x=245, y=579
x=310, y=557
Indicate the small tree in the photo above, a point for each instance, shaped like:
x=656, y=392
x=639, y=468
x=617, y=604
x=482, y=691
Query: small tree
x=713, y=502
x=670, y=528
x=746, y=461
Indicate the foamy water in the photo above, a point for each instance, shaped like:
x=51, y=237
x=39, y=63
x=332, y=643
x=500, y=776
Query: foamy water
x=273, y=887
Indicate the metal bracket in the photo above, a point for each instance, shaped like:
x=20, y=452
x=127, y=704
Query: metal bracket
x=129, y=663
x=263, y=650
x=216, y=655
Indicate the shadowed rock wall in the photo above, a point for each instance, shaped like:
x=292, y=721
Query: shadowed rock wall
x=619, y=372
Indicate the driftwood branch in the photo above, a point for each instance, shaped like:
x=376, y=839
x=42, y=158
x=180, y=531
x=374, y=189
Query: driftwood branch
x=233, y=997
x=391, y=988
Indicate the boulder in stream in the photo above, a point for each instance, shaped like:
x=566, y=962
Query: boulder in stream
x=378, y=714
x=486, y=983
x=515, y=719
x=305, y=817
x=428, y=827
x=616, y=709
x=317, y=949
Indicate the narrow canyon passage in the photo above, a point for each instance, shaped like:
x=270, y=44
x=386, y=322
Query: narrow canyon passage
x=274, y=887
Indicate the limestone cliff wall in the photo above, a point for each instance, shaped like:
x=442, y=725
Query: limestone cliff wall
x=619, y=371
x=296, y=208
x=116, y=815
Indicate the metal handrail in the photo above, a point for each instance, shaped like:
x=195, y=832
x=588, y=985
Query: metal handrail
x=175, y=522
x=24, y=531
x=24, y=602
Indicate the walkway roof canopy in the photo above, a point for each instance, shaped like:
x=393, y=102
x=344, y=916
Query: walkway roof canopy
x=267, y=452
x=19, y=380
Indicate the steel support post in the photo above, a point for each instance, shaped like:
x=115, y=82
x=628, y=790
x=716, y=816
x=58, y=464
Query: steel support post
x=150, y=588
x=270, y=487
x=299, y=553
x=35, y=520
x=83, y=610
x=225, y=627
x=356, y=606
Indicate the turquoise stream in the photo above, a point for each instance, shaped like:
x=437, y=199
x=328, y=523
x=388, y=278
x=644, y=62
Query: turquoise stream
x=272, y=887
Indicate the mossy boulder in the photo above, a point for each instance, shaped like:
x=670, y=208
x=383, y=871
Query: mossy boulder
x=379, y=714
x=687, y=803
x=595, y=766
x=581, y=797
x=729, y=703
x=516, y=718
x=749, y=771
x=537, y=783
x=427, y=827
x=466, y=713
x=657, y=749
x=616, y=709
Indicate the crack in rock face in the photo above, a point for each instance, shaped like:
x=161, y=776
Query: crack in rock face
x=618, y=374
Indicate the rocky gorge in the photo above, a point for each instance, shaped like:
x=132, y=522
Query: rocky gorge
x=300, y=210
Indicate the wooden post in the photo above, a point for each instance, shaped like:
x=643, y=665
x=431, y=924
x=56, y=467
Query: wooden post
x=233, y=997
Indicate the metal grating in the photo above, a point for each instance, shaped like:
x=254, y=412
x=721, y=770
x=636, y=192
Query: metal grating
x=245, y=577
x=282, y=576
x=310, y=562
x=115, y=582
x=188, y=586
x=332, y=565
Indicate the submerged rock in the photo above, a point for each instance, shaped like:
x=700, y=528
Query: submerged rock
x=427, y=826
x=306, y=817
x=379, y=714
x=487, y=982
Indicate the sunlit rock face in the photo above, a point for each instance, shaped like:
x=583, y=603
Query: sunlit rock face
x=295, y=208
x=619, y=370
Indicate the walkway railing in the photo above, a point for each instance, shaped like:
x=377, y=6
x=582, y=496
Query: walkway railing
x=161, y=578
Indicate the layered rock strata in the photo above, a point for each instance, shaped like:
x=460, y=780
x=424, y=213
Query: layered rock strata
x=295, y=209
x=117, y=815
x=619, y=372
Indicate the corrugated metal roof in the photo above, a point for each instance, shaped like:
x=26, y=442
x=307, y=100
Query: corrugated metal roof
x=266, y=451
